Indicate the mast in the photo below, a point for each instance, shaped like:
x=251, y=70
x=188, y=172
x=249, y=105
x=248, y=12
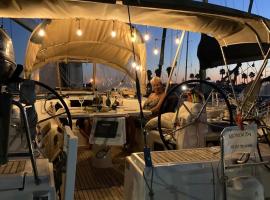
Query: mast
x=202, y=72
x=161, y=58
x=250, y=6
x=187, y=56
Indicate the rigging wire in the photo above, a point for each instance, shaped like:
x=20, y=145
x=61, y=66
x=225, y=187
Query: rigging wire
x=10, y=28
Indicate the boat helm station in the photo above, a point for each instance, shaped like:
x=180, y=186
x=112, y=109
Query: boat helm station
x=98, y=141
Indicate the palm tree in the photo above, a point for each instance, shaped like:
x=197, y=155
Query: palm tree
x=251, y=75
x=191, y=76
x=169, y=69
x=236, y=74
x=208, y=78
x=244, y=77
x=222, y=72
x=197, y=76
x=149, y=75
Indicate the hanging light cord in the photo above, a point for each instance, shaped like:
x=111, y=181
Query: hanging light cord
x=138, y=87
x=150, y=187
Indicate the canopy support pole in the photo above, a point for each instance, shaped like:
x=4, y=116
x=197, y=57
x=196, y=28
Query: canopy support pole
x=265, y=61
x=174, y=60
x=229, y=77
x=257, y=38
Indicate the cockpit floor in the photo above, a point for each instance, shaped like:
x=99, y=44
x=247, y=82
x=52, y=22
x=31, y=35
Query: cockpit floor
x=97, y=183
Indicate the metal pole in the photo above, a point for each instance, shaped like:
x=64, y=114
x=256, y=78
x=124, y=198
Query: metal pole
x=174, y=60
x=28, y=138
x=186, y=57
x=225, y=63
x=257, y=78
x=250, y=6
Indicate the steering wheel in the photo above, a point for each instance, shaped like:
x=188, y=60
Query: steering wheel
x=60, y=99
x=197, y=91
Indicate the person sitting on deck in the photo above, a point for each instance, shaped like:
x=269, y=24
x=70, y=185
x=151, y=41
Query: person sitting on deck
x=155, y=99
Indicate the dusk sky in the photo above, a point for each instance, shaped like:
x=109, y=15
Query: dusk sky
x=261, y=7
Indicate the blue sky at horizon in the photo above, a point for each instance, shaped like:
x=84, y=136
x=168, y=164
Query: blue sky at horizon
x=261, y=7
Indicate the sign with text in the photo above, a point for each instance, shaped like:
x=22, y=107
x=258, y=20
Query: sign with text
x=240, y=141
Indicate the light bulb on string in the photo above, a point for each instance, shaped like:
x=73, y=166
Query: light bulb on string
x=146, y=36
x=177, y=40
x=113, y=33
x=134, y=64
x=79, y=31
x=41, y=32
x=138, y=67
x=133, y=36
x=155, y=51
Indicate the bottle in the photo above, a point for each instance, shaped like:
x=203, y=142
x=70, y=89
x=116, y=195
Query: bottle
x=108, y=100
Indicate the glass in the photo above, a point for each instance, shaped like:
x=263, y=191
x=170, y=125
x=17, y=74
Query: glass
x=81, y=100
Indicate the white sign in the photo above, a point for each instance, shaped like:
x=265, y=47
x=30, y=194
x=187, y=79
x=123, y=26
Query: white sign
x=240, y=141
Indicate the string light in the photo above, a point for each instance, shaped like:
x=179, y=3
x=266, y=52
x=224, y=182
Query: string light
x=138, y=67
x=79, y=31
x=177, y=39
x=146, y=35
x=156, y=51
x=133, y=36
x=134, y=64
x=41, y=32
x=113, y=33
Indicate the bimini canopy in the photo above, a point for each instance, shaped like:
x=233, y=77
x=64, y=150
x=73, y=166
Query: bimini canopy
x=210, y=55
x=61, y=43
x=228, y=26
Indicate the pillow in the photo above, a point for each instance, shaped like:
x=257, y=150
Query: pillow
x=166, y=121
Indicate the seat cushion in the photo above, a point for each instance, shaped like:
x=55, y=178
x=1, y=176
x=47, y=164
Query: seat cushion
x=166, y=121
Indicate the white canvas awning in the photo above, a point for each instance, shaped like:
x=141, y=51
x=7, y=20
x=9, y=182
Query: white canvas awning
x=96, y=45
x=228, y=26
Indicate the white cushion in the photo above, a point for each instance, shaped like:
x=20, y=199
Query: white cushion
x=166, y=121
